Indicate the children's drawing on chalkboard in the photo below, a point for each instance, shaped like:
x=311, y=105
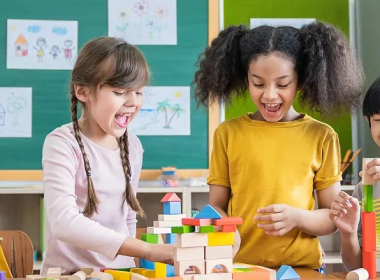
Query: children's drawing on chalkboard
x=40, y=46
x=54, y=51
x=37, y=44
x=165, y=111
x=2, y=115
x=21, y=46
x=15, y=112
x=143, y=22
x=295, y=22
x=68, y=50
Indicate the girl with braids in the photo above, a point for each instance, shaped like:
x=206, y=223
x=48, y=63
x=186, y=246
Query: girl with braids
x=91, y=166
x=265, y=165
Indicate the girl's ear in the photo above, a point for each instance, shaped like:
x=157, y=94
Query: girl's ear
x=82, y=93
x=367, y=119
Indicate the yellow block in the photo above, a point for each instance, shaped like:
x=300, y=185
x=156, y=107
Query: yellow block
x=160, y=270
x=138, y=270
x=220, y=238
x=119, y=275
x=4, y=265
x=149, y=273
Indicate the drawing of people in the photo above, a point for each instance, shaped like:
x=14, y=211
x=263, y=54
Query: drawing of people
x=68, y=50
x=54, y=51
x=41, y=44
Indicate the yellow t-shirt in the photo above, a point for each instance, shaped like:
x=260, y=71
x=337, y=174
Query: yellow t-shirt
x=274, y=163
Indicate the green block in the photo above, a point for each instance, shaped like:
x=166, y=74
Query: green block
x=368, y=198
x=123, y=269
x=183, y=229
x=149, y=238
x=207, y=229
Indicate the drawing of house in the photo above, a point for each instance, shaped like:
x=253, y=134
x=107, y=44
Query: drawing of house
x=2, y=115
x=21, y=46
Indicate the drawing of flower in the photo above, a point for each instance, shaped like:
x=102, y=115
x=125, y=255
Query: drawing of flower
x=150, y=23
x=16, y=104
x=161, y=11
x=124, y=15
x=141, y=7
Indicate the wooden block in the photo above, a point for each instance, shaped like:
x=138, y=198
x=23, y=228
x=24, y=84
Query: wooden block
x=171, y=197
x=369, y=231
x=366, y=179
x=105, y=268
x=54, y=273
x=135, y=276
x=172, y=208
x=160, y=239
x=178, y=217
x=182, y=229
x=155, y=230
x=137, y=270
x=226, y=264
x=67, y=277
x=149, y=238
x=192, y=240
x=167, y=224
x=369, y=263
x=228, y=228
x=219, y=252
x=228, y=221
x=181, y=267
x=358, y=274
x=35, y=277
x=196, y=222
x=220, y=238
x=160, y=269
x=119, y=275
x=87, y=270
x=80, y=275
x=188, y=254
x=368, y=198
x=101, y=275
x=171, y=238
x=206, y=229
x=213, y=276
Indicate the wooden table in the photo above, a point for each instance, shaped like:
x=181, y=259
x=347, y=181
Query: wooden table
x=342, y=275
x=304, y=273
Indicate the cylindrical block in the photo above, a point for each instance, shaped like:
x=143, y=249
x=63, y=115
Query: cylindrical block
x=369, y=263
x=357, y=274
x=369, y=231
x=101, y=275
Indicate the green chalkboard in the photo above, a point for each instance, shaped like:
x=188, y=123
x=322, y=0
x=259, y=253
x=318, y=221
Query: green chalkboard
x=171, y=65
x=335, y=12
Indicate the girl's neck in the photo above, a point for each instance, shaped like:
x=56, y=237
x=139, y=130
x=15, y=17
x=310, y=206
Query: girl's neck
x=96, y=134
x=291, y=115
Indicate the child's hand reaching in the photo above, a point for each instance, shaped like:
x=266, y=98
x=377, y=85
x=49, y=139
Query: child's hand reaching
x=282, y=218
x=160, y=253
x=345, y=213
x=373, y=169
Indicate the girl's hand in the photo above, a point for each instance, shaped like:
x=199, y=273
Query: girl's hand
x=345, y=213
x=237, y=242
x=282, y=218
x=162, y=253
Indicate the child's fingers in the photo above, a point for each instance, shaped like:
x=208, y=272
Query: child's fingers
x=344, y=195
x=335, y=214
x=373, y=170
x=338, y=207
x=354, y=203
x=269, y=218
x=271, y=227
x=274, y=208
x=372, y=163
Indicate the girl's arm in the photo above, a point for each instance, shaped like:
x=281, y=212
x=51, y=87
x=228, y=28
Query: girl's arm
x=218, y=198
x=351, y=251
x=317, y=222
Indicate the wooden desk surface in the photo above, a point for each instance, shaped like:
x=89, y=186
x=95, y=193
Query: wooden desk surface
x=342, y=275
x=304, y=273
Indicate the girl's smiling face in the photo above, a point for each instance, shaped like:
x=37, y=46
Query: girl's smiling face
x=273, y=84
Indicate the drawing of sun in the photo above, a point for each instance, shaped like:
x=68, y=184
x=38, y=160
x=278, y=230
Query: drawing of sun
x=178, y=94
x=13, y=27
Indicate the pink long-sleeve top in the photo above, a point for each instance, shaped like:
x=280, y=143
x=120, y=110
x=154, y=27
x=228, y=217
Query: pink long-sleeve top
x=71, y=239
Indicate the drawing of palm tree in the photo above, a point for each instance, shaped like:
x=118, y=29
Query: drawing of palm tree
x=15, y=105
x=177, y=110
x=163, y=107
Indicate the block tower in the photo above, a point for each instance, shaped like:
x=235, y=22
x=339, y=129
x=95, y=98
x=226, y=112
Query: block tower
x=368, y=223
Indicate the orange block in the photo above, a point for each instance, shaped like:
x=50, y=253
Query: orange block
x=257, y=275
x=227, y=221
x=229, y=228
x=196, y=222
x=369, y=231
x=369, y=263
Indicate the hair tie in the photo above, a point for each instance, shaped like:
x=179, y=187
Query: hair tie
x=88, y=174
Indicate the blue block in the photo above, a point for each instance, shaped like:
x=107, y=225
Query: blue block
x=141, y=263
x=172, y=208
x=149, y=265
x=286, y=273
x=169, y=270
x=208, y=212
x=170, y=238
